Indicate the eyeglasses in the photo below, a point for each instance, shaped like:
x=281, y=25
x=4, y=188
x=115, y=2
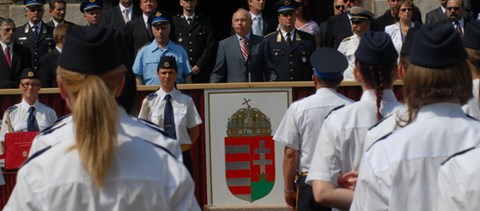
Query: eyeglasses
x=26, y=85
x=406, y=9
x=453, y=8
x=351, y=1
x=35, y=9
x=340, y=7
x=8, y=29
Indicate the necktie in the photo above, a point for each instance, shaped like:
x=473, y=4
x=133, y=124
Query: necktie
x=289, y=39
x=189, y=21
x=35, y=30
x=125, y=15
x=32, y=124
x=8, y=57
x=168, y=117
x=257, y=29
x=459, y=29
x=243, y=48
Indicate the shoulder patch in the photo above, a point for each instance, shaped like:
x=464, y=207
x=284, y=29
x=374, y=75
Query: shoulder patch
x=380, y=139
x=12, y=108
x=334, y=109
x=458, y=153
x=151, y=96
x=376, y=124
x=36, y=154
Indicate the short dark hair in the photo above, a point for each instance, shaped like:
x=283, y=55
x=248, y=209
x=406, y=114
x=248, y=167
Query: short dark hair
x=51, y=3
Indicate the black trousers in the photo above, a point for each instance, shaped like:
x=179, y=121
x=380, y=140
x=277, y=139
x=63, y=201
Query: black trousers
x=187, y=161
x=305, y=199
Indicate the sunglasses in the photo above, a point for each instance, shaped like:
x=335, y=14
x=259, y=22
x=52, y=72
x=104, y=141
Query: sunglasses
x=35, y=9
x=346, y=1
x=406, y=9
x=340, y=7
x=453, y=8
x=8, y=29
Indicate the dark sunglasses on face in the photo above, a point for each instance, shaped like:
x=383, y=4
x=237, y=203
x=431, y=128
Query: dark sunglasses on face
x=340, y=7
x=8, y=29
x=351, y=1
x=406, y=9
x=35, y=9
x=453, y=8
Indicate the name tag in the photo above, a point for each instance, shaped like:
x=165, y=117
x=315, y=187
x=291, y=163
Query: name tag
x=22, y=38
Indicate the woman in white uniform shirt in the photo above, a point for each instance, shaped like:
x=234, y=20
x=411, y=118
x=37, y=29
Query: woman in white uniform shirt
x=100, y=166
x=340, y=143
x=399, y=172
x=186, y=118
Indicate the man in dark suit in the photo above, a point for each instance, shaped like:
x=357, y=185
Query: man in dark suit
x=35, y=34
x=139, y=33
x=456, y=16
x=262, y=24
x=14, y=58
x=437, y=15
x=57, y=9
x=195, y=33
x=339, y=26
x=388, y=19
x=239, y=57
x=287, y=51
x=48, y=63
x=338, y=8
x=121, y=14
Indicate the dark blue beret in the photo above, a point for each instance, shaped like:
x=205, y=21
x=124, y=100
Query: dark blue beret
x=471, y=38
x=285, y=6
x=90, y=4
x=408, y=41
x=376, y=48
x=90, y=50
x=28, y=73
x=167, y=62
x=328, y=63
x=437, y=46
x=159, y=17
x=30, y=3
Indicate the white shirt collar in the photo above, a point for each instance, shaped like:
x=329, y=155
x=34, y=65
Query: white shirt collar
x=186, y=17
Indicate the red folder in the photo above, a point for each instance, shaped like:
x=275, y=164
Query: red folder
x=2, y=155
x=17, y=146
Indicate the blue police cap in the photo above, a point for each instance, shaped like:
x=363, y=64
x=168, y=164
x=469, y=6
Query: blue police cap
x=285, y=6
x=90, y=50
x=28, y=73
x=437, y=46
x=31, y=3
x=159, y=17
x=376, y=48
x=471, y=38
x=90, y=4
x=328, y=63
x=167, y=62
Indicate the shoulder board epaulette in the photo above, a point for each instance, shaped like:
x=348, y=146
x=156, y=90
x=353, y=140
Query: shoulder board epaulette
x=347, y=38
x=271, y=33
x=380, y=139
x=376, y=124
x=458, y=153
x=36, y=154
x=158, y=146
x=151, y=96
x=62, y=118
x=334, y=109
x=54, y=126
x=471, y=117
x=178, y=15
x=153, y=126
x=11, y=108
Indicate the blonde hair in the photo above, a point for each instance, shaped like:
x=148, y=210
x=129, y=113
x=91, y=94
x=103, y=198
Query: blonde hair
x=425, y=86
x=95, y=116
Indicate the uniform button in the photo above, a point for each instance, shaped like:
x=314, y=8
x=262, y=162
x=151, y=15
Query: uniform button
x=190, y=34
x=35, y=60
x=190, y=43
x=191, y=50
x=291, y=70
x=291, y=78
x=35, y=53
x=291, y=62
x=291, y=55
x=191, y=58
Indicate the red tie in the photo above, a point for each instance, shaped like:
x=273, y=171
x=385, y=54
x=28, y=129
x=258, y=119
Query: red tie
x=243, y=48
x=459, y=29
x=8, y=57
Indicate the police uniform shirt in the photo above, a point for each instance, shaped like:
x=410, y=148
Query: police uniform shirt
x=185, y=113
x=348, y=47
x=18, y=115
x=458, y=184
x=148, y=57
x=386, y=126
x=472, y=107
x=64, y=130
x=300, y=125
x=142, y=177
x=403, y=167
x=340, y=143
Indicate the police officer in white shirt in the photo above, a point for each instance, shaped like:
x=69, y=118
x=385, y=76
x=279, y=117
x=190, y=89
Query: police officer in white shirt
x=471, y=42
x=361, y=21
x=100, y=166
x=298, y=130
x=340, y=143
x=399, y=172
x=186, y=128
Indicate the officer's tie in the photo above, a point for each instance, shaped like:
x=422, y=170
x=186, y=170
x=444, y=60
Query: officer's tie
x=289, y=39
x=8, y=57
x=35, y=31
x=168, y=117
x=459, y=29
x=32, y=124
x=189, y=21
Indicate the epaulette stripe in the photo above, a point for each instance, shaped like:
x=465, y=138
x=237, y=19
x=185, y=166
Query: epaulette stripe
x=154, y=126
x=471, y=117
x=380, y=139
x=270, y=33
x=36, y=154
x=151, y=96
x=51, y=128
x=458, y=153
x=11, y=108
x=165, y=149
x=334, y=109
x=376, y=124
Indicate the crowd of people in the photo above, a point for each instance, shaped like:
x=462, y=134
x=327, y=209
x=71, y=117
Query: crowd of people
x=374, y=154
